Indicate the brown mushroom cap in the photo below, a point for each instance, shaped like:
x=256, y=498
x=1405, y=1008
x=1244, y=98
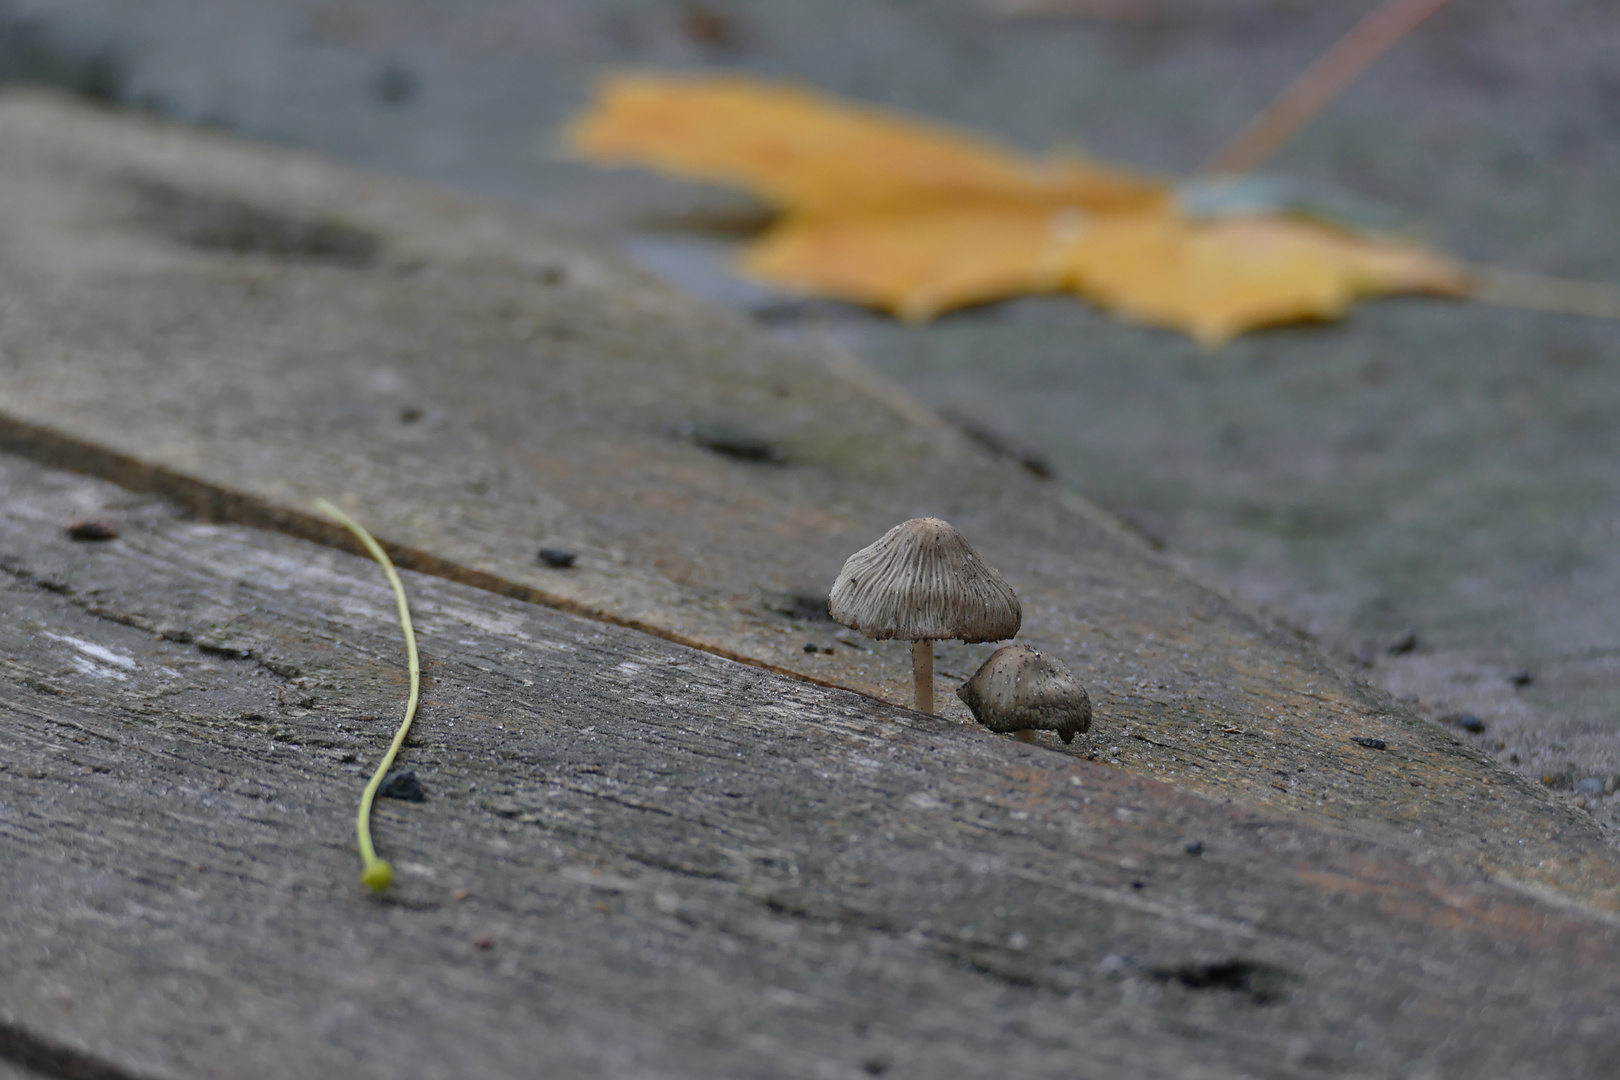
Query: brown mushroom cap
x=1020, y=688
x=923, y=582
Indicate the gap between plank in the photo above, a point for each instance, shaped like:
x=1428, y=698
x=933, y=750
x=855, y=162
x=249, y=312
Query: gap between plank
x=214, y=503
x=47, y=1058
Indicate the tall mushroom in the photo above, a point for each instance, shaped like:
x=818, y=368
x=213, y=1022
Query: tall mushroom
x=922, y=582
x=1020, y=688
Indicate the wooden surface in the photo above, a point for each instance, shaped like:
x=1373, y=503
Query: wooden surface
x=479, y=385
x=672, y=864
x=687, y=846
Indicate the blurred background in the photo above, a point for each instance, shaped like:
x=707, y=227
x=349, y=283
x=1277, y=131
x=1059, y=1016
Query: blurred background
x=1429, y=490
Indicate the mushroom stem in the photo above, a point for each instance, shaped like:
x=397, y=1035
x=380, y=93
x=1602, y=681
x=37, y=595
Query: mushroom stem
x=922, y=673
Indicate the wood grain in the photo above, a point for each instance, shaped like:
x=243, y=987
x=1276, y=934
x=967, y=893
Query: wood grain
x=478, y=385
x=638, y=859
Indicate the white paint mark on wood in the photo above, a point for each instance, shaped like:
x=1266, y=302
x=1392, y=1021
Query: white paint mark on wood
x=96, y=652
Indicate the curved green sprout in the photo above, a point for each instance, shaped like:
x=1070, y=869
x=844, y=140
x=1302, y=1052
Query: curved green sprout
x=376, y=872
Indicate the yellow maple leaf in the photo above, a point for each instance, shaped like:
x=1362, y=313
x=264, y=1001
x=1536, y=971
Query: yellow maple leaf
x=917, y=219
x=1217, y=278
x=919, y=263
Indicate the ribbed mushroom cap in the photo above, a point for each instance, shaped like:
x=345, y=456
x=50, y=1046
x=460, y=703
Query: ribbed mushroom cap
x=1020, y=688
x=923, y=582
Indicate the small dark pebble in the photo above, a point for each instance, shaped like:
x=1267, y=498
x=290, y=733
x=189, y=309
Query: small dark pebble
x=875, y=1066
x=91, y=529
x=1521, y=678
x=1369, y=742
x=1195, y=848
x=1404, y=644
x=1138, y=884
x=560, y=558
x=402, y=784
x=410, y=414
x=811, y=646
x=1470, y=723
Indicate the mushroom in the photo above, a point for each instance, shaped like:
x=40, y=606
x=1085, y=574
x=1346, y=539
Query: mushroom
x=1020, y=688
x=922, y=582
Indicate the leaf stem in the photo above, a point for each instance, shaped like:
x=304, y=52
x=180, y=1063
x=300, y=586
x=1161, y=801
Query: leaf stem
x=376, y=872
x=1319, y=84
x=1536, y=292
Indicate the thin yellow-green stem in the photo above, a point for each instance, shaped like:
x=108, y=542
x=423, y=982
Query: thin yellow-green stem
x=376, y=872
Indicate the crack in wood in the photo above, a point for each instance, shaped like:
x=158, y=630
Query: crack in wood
x=217, y=504
x=50, y=1058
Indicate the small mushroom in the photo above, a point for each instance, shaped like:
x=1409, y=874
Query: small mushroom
x=1020, y=688
x=922, y=582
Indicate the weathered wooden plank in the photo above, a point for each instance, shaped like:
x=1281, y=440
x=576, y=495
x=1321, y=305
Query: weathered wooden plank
x=638, y=859
x=474, y=384
x=10, y=1070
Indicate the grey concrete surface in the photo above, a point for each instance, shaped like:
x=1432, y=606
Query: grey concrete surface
x=1439, y=469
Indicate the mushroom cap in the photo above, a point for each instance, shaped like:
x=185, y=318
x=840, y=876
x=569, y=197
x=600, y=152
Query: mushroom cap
x=923, y=582
x=1020, y=688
